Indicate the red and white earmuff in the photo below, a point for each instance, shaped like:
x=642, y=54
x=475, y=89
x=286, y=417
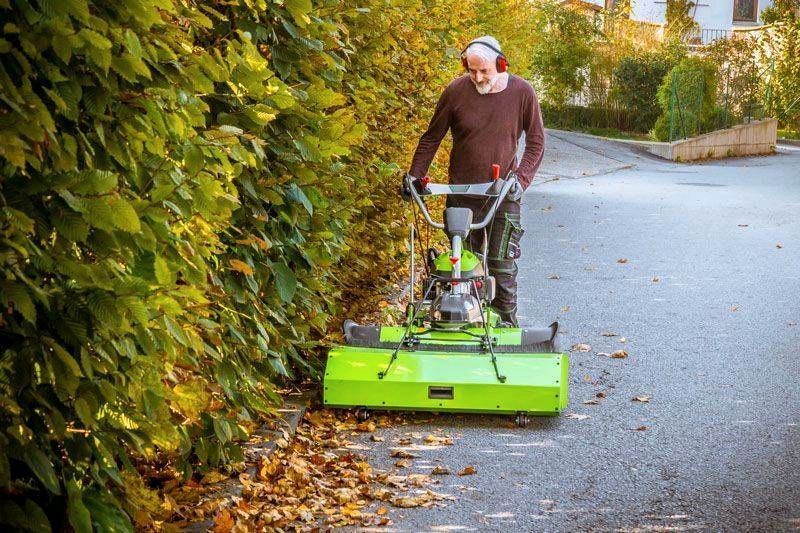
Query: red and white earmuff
x=501, y=63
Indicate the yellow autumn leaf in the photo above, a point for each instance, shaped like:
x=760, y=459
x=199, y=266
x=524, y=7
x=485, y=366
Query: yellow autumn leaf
x=241, y=266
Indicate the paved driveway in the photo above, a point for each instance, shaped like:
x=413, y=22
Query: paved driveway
x=707, y=304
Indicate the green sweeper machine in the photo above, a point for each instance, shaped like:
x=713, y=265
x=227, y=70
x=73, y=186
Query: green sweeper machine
x=452, y=353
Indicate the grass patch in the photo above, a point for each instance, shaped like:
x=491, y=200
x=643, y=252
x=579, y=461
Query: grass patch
x=614, y=133
x=789, y=134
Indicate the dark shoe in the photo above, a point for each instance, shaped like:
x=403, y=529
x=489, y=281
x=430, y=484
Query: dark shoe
x=508, y=318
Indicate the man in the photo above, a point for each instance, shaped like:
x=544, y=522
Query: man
x=487, y=110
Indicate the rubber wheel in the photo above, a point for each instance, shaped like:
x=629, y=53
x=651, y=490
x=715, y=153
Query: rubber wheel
x=362, y=414
x=522, y=420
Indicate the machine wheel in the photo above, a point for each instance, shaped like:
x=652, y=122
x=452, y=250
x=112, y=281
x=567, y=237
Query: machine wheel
x=522, y=420
x=362, y=414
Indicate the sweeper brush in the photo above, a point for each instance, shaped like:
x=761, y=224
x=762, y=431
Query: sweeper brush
x=452, y=353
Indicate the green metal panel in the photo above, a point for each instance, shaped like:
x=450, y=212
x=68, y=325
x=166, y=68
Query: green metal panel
x=468, y=262
x=536, y=382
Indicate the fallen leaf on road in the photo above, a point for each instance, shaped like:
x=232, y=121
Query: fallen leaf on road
x=375, y=438
x=405, y=441
x=656, y=279
x=403, y=463
x=743, y=225
x=734, y=308
x=223, y=522
x=380, y=494
x=382, y=511
x=423, y=500
x=402, y=454
x=576, y=416
x=440, y=471
x=436, y=439
x=593, y=401
x=644, y=398
x=366, y=427
x=565, y=309
x=641, y=428
x=619, y=354
x=553, y=276
x=468, y=471
x=213, y=477
x=608, y=334
x=601, y=394
x=581, y=348
x=622, y=261
x=623, y=340
x=779, y=246
x=401, y=482
x=792, y=323
x=604, y=354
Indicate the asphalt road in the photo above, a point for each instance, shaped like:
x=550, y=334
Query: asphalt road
x=709, y=305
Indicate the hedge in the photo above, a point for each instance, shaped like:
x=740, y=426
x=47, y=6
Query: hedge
x=183, y=187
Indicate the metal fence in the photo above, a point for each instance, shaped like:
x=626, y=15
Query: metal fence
x=699, y=101
x=593, y=107
x=699, y=104
x=705, y=36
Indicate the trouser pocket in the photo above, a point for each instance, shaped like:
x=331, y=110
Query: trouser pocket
x=510, y=238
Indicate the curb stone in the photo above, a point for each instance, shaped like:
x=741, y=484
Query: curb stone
x=289, y=417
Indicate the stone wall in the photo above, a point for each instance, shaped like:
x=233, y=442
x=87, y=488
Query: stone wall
x=756, y=138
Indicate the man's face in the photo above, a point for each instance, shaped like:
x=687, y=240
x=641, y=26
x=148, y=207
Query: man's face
x=482, y=72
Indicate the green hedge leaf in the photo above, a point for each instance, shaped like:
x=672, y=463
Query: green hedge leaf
x=42, y=467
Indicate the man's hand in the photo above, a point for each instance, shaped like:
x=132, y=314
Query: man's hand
x=405, y=191
x=516, y=191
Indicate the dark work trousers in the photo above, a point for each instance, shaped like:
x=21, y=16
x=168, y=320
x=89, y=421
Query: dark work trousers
x=504, y=234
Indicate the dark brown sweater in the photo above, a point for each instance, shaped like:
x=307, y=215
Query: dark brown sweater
x=486, y=129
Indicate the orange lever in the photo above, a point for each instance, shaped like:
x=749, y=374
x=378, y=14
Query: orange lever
x=495, y=171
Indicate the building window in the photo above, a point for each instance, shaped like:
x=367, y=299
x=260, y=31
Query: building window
x=745, y=10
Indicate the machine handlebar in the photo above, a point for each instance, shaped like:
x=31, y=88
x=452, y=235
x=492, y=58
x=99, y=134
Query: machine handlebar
x=498, y=188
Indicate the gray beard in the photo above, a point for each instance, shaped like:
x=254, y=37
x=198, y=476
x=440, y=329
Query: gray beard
x=487, y=86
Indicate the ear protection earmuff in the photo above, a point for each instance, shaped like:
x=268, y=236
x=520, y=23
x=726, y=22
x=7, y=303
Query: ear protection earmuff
x=501, y=62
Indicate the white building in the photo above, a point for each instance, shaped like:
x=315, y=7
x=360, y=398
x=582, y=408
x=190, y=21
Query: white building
x=709, y=14
x=715, y=18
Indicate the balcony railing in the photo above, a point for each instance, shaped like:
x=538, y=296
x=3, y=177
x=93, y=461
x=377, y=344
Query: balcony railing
x=704, y=36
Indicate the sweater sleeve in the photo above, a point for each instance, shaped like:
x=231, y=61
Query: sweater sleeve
x=430, y=140
x=534, y=142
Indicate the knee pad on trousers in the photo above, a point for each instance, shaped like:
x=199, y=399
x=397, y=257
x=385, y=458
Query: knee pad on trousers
x=507, y=267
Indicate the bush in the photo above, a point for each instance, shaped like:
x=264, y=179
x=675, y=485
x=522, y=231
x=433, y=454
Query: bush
x=636, y=81
x=584, y=118
x=785, y=81
x=687, y=97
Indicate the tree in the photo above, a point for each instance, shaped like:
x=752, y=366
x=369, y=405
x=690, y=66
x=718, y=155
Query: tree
x=680, y=19
x=781, y=11
x=562, y=41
